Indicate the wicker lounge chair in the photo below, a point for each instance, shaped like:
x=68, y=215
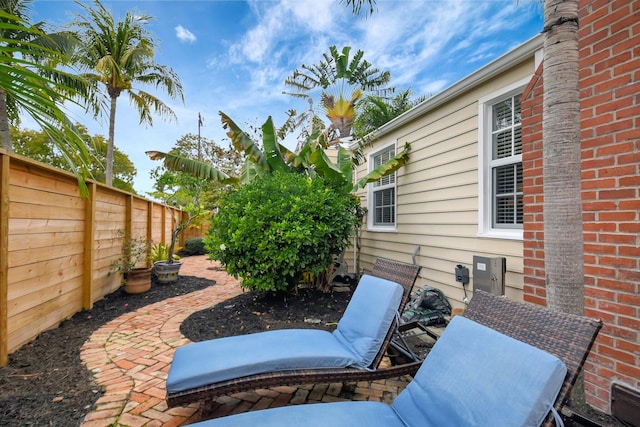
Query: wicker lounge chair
x=179, y=394
x=474, y=376
x=566, y=336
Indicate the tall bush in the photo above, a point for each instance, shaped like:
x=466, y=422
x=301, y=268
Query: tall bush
x=273, y=230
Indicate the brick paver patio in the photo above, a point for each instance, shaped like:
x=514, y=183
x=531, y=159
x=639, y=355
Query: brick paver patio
x=130, y=358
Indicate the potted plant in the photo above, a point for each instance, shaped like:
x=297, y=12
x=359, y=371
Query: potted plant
x=166, y=269
x=133, y=264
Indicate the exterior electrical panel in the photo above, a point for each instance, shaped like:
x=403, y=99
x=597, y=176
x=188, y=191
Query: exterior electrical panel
x=488, y=274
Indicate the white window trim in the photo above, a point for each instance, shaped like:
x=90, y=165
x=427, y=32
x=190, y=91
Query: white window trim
x=485, y=197
x=370, y=208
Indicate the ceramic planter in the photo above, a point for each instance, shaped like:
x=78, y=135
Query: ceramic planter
x=138, y=280
x=165, y=272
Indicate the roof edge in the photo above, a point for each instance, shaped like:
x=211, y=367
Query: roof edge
x=499, y=65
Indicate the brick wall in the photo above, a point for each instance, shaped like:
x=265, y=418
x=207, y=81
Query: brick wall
x=610, y=97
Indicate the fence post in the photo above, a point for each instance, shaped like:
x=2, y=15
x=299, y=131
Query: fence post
x=89, y=247
x=4, y=262
x=150, y=224
x=163, y=225
x=128, y=221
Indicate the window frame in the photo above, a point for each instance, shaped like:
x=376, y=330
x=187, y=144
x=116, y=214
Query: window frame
x=371, y=189
x=486, y=198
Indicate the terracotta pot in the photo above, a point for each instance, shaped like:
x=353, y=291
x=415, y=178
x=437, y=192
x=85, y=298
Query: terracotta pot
x=165, y=272
x=138, y=280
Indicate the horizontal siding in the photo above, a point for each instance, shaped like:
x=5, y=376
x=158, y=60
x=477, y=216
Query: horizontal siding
x=437, y=196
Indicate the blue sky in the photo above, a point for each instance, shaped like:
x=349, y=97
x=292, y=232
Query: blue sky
x=233, y=56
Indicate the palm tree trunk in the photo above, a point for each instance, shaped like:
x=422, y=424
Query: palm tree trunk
x=5, y=134
x=563, y=239
x=112, y=126
x=563, y=245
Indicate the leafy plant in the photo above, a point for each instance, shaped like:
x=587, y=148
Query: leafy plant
x=343, y=80
x=194, y=246
x=310, y=159
x=160, y=252
x=271, y=231
x=135, y=251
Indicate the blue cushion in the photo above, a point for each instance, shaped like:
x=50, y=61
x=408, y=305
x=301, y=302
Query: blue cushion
x=337, y=414
x=211, y=361
x=368, y=317
x=372, y=306
x=475, y=376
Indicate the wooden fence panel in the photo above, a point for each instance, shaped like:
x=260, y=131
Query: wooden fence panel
x=57, y=248
x=36, y=257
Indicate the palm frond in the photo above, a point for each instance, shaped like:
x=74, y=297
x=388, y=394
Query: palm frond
x=243, y=142
x=387, y=168
x=176, y=163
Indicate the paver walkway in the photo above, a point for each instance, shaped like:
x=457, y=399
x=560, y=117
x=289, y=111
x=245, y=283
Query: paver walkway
x=130, y=358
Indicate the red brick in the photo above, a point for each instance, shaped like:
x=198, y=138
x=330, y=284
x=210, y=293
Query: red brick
x=618, y=285
x=628, y=322
x=630, y=227
x=630, y=370
x=617, y=308
x=616, y=354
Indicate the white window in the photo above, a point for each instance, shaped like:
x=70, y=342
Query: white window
x=500, y=169
x=382, y=194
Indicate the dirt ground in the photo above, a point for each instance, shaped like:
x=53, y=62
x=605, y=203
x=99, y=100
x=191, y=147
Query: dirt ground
x=45, y=383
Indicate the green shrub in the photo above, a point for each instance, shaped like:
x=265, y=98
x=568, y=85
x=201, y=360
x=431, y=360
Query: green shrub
x=194, y=246
x=278, y=227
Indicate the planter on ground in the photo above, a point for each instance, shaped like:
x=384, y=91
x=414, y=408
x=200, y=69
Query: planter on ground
x=166, y=272
x=137, y=280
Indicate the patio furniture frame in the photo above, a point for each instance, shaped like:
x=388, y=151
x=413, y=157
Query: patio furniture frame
x=401, y=273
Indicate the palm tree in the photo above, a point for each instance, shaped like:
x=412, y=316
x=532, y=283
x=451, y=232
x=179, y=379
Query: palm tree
x=343, y=82
x=563, y=243
x=119, y=55
x=30, y=82
x=375, y=111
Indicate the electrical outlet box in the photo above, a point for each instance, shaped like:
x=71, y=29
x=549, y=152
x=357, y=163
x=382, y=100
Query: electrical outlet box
x=488, y=274
x=462, y=274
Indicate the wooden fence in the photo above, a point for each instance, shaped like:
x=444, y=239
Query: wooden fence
x=56, y=248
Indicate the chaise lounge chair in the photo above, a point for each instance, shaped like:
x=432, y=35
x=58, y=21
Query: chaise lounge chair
x=205, y=370
x=504, y=363
x=473, y=376
x=563, y=335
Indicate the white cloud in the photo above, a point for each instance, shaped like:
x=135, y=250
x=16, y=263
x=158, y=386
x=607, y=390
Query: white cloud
x=185, y=35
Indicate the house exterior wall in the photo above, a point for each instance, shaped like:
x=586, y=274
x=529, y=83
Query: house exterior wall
x=610, y=93
x=437, y=191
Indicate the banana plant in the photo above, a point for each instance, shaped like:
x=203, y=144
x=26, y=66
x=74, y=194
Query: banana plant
x=274, y=156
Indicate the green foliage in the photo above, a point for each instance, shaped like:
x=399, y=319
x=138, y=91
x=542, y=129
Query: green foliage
x=283, y=224
x=310, y=160
x=160, y=252
x=374, y=111
x=194, y=246
x=342, y=80
x=32, y=82
x=38, y=146
x=135, y=251
x=208, y=184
